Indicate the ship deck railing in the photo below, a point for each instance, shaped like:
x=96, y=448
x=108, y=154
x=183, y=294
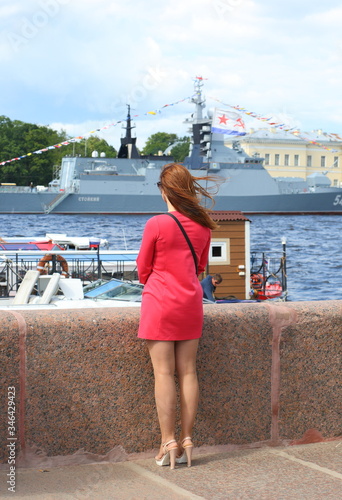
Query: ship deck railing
x=26, y=189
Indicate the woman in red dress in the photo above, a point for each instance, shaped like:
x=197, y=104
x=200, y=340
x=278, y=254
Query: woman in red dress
x=172, y=304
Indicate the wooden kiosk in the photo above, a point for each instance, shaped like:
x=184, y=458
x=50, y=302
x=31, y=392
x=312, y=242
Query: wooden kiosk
x=229, y=254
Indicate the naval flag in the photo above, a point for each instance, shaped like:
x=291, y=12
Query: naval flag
x=227, y=122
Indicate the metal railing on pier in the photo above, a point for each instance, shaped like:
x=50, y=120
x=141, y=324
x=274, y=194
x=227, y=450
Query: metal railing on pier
x=85, y=265
x=269, y=275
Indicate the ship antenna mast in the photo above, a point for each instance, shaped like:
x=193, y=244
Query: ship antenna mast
x=129, y=125
x=128, y=147
x=198, y=99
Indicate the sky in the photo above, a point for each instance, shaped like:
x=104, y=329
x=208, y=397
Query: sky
x=75, y=64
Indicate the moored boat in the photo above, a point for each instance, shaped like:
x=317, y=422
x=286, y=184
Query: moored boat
x=263, y=288
x=52, y=241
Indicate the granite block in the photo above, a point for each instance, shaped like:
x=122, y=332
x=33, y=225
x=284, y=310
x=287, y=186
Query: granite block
x=311, y=385
x=234, y=374
x=10, y=343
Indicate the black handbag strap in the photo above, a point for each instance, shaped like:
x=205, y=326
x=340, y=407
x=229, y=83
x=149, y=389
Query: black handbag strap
x=187, y=239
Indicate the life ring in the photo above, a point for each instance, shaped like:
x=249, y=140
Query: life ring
x=48, y=258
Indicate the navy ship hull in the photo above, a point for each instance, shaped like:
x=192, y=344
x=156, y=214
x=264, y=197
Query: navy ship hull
x=303, y=203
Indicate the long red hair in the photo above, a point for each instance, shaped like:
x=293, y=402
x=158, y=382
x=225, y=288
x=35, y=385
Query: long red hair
x=186, y=194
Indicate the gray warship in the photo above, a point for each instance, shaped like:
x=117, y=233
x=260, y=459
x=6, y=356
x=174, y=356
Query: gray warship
x=128, y=184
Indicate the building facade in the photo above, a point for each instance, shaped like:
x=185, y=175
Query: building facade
x=287, y=155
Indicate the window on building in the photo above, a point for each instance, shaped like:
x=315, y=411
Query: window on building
x=286, y=160
x=335, y=161
x=335, y=183
x=219, y=252
x=267, y=159
x=276, y=159
x=322, y=161
x=309, y=161
x=296, y=160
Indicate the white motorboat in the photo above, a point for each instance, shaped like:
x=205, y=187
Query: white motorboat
x=55, y=291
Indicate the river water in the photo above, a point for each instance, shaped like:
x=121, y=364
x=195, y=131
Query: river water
x=314, y=243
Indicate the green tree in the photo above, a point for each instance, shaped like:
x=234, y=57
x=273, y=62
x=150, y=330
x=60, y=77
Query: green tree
x=33, y=143
x=162, y=141
x=40, y=164
x=181, y=149
x=158, y=142
x=19, y=139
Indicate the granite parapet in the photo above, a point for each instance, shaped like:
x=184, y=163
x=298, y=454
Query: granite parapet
x=268, y=372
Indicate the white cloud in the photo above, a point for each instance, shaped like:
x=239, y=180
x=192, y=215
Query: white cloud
x=329, y=18
x=9, y=10
x=89, y=59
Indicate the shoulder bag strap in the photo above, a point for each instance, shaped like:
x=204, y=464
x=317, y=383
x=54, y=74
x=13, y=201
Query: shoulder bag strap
x=187, y=239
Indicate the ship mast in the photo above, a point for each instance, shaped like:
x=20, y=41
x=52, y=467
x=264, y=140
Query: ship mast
x=199, y=154
x=128, y=148
x=199, y=100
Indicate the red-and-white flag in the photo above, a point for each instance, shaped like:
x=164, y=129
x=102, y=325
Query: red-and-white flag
x=227, y=122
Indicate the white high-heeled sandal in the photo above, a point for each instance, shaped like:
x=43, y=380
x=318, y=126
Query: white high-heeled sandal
x=185, y=458
x=169, y=457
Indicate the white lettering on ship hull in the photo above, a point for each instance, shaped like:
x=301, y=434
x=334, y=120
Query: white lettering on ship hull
x=88, y=198
x=338, y=200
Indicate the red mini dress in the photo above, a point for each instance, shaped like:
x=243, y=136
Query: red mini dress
x=172, y=300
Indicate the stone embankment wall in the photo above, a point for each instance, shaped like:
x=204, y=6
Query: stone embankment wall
x=84, y=384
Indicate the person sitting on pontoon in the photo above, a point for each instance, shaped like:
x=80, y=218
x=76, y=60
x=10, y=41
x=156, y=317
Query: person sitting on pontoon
x=209, y=285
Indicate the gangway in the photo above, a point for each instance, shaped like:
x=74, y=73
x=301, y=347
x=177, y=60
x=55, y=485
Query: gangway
x=56, y=201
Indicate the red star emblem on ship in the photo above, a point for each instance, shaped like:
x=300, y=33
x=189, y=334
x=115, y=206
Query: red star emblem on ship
x=223, y=119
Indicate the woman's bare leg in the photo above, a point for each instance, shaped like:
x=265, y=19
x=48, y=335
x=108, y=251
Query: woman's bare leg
x=162, y=355
x=186, y=353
